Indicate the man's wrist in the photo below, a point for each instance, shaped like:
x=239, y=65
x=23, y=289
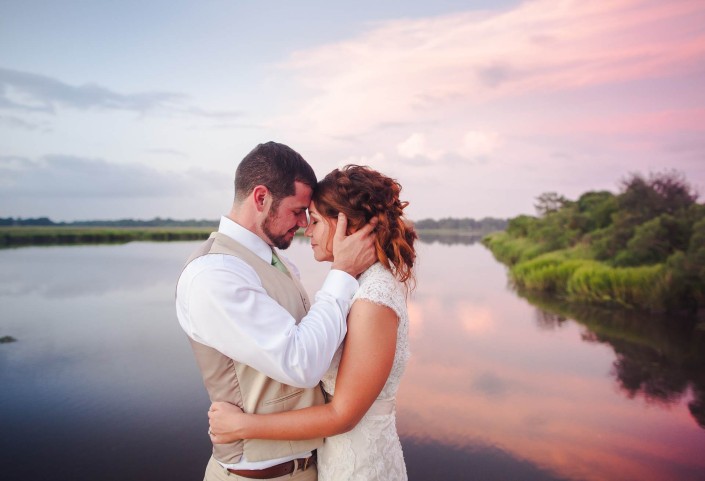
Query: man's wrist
x=340, y=284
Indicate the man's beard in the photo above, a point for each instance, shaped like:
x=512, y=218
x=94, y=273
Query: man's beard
x=279, y=241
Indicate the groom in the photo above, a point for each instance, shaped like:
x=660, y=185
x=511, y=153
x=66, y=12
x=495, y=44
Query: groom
x=258, y=341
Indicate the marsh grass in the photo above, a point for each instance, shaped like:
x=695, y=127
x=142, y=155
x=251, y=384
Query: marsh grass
x=574, y=275
x=549, y=272
x=643, y=287
x=58, y=235
x=511, y=250
x=588, y=280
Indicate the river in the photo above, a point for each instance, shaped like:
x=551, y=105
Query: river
x=101, y=382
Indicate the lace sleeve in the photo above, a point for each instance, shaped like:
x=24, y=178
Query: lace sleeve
x=378, y=285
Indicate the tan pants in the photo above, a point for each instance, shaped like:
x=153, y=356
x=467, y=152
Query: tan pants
x=215, y=472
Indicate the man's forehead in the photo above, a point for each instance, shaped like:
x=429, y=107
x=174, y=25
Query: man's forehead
x=303, y=189
x=301, y=198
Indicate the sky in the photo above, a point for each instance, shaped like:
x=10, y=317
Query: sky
x=112, y=110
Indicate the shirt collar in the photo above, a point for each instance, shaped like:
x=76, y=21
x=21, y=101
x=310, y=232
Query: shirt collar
x=246, y=237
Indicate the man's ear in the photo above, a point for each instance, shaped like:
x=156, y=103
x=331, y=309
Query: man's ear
x=259, y=196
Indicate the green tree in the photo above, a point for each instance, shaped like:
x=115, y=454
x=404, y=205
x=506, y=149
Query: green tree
x=595, y=210
x=549, y=202
x=644, y=199
x=650, y=244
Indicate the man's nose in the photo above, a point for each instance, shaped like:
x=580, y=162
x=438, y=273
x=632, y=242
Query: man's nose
x=302, y=221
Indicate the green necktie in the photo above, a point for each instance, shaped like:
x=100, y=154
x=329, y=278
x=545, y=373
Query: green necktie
x=277, y=262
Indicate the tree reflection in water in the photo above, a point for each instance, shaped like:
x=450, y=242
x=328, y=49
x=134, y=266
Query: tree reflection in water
x=658, y=357
x=450, y=238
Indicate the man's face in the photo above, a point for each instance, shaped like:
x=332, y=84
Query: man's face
x=282, y=222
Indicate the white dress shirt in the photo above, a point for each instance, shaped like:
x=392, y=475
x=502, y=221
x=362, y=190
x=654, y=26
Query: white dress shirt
x=220, y=302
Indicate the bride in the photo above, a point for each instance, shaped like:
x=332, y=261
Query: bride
x=358, y=420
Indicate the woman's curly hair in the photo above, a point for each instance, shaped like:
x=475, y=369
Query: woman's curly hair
x=361, y=194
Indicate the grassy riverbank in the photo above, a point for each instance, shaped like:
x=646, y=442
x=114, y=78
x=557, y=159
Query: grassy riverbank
x=643, y=248
x=63, y=235
x=574, y=275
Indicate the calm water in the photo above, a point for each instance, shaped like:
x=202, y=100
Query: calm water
x=101, y=383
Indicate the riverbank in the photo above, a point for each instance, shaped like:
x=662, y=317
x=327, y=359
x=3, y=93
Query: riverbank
x=574, y=275
x=643, y=248
x=16, y=236
x=571, y=274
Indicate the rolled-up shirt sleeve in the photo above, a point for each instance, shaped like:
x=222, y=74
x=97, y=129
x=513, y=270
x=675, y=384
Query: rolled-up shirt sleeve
x=221, y=303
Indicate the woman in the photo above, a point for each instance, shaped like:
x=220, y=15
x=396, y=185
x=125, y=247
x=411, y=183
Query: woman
x=359, y=419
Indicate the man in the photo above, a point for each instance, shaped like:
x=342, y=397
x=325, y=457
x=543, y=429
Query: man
x=256, y=341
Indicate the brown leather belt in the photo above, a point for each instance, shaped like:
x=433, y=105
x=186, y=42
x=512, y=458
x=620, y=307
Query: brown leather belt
x=277, y=470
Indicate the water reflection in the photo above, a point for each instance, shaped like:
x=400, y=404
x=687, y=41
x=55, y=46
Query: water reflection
x=74, y=271
x=464, y=238
x=543, y=395
x=99, y=384
x=658, y=357
x=496, y=388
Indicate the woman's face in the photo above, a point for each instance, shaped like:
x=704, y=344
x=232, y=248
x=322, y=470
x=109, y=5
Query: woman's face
x=320, y=230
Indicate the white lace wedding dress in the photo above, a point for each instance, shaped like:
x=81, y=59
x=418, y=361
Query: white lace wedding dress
x=371, y=451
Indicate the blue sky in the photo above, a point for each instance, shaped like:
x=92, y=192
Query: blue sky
x=142, y=109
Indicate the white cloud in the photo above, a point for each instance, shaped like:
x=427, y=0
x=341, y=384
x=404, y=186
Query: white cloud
x=416, y=146
x=478, y=143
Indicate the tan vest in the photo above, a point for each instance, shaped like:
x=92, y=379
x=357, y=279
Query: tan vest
x=239, y=384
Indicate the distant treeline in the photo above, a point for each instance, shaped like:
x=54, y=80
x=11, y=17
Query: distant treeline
x=641, y=248
x=44, y=231
x=156, y=222
x=32, y=235
x=485, y=225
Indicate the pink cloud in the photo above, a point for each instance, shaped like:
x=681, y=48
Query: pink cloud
x=502, y=105
x=427, y=69
x=658, y=122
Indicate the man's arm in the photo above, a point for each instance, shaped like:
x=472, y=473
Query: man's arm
x=221, y=303
x=367, y=360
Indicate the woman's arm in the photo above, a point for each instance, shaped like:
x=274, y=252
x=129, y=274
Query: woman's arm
x=367, y=359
